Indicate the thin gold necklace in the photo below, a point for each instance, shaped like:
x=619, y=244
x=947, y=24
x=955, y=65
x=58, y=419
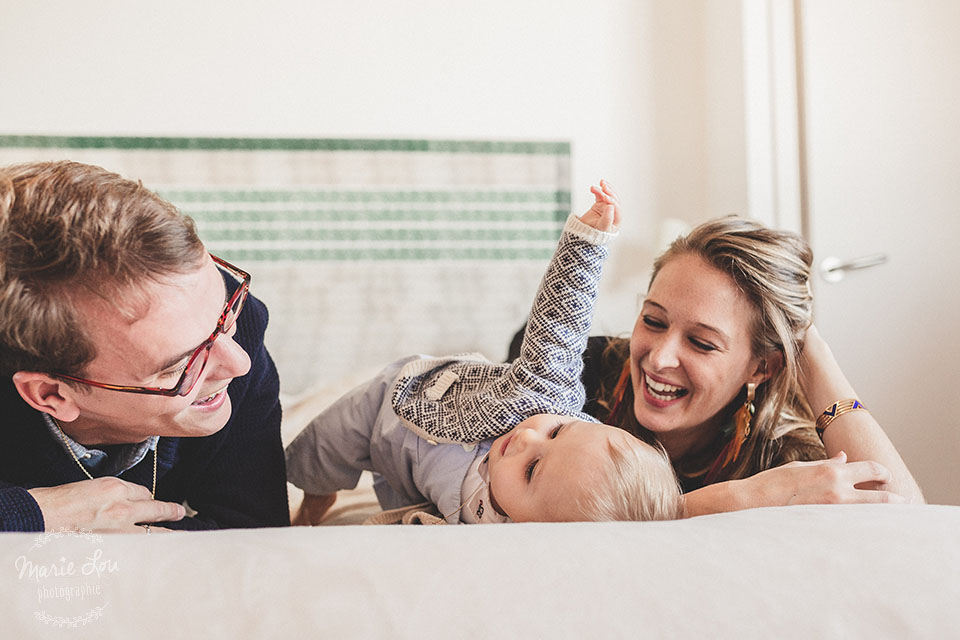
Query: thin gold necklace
x=63, y=436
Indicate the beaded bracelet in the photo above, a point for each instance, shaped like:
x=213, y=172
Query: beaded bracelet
x=836, y=410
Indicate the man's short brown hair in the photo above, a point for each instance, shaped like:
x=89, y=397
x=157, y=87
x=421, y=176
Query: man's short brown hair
x=69, y=229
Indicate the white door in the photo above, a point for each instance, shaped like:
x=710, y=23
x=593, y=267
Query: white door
x=880, y=114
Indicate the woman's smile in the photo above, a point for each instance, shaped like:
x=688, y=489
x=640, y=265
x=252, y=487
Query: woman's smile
x=661, y=393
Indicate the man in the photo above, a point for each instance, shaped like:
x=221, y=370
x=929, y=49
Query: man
x=133, y=375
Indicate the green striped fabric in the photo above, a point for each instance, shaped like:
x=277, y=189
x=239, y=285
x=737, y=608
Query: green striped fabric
x=405, y=196
x=128, y=143
x=353, y=224
x=319, y=210
x=317, y=225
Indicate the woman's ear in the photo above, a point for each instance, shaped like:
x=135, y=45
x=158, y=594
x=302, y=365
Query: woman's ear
x=767, y=366
x=47, y=394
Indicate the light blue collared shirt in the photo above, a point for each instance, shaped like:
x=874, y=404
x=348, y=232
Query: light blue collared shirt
x=97, y=461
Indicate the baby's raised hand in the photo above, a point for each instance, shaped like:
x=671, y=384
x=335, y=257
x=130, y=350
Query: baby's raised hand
x=604, y=215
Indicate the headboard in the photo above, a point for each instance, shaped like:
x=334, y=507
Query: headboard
x=364, y=250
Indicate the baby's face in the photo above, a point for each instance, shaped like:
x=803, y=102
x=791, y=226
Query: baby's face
x=540, y=469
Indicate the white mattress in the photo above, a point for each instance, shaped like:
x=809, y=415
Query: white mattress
x=797, y=572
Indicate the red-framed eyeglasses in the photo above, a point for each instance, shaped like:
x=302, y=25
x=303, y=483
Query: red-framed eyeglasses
x=193, y=370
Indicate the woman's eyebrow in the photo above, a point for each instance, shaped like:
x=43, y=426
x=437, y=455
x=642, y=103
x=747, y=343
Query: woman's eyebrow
x=723, y=335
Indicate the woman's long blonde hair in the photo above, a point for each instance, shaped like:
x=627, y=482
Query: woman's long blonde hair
x=772, y=270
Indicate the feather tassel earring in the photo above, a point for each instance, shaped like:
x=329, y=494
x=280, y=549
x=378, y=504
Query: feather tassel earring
x=741, y=420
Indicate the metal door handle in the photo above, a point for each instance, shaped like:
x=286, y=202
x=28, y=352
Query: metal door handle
x=834, y=269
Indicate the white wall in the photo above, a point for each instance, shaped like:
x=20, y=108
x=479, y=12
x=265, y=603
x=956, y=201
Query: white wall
x=649, y=92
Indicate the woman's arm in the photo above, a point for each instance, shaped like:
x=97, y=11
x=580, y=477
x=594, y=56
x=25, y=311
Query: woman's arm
x=875, y=471
x=855, y=432
x=832, y=481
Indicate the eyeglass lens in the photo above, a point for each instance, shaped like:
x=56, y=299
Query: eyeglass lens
x=199, y=359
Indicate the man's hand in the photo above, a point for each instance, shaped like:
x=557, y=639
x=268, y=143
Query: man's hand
x=105, y=504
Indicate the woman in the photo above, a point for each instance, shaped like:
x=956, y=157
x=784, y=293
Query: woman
x=723, y=369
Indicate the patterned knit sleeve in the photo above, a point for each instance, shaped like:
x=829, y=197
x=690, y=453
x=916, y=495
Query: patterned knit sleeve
x=550, y=361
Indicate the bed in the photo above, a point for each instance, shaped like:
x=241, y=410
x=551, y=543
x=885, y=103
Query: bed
x=797, y=572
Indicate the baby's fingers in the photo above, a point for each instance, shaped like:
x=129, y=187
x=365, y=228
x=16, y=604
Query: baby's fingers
x=613, y=200
x=608, y=221
x=600, y=195
x=604, y=215
x=608, y=190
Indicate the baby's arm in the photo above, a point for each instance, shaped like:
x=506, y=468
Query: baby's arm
x=550, y=361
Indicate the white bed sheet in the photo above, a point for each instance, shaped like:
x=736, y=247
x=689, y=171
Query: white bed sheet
x=798, y=572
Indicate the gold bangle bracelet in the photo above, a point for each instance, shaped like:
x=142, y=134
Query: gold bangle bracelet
x=836, y=410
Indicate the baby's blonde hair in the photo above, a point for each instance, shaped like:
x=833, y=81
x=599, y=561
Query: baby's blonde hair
x=638, y=483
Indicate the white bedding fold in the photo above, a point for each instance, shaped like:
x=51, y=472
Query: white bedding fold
x=818, y=571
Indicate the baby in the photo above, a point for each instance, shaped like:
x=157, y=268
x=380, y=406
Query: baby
x=487, y=442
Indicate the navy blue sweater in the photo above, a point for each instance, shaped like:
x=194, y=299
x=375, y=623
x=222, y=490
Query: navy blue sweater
x=235, y=477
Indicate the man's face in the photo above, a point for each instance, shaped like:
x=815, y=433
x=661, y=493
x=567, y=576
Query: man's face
x=152, y=351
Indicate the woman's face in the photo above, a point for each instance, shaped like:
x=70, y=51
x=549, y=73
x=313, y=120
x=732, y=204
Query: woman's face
x=690, y=353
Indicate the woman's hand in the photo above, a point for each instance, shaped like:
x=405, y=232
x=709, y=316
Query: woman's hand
x=833, y=481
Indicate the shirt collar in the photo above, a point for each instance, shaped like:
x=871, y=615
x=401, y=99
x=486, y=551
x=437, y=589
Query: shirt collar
x=478, y=508
x=120, y=458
